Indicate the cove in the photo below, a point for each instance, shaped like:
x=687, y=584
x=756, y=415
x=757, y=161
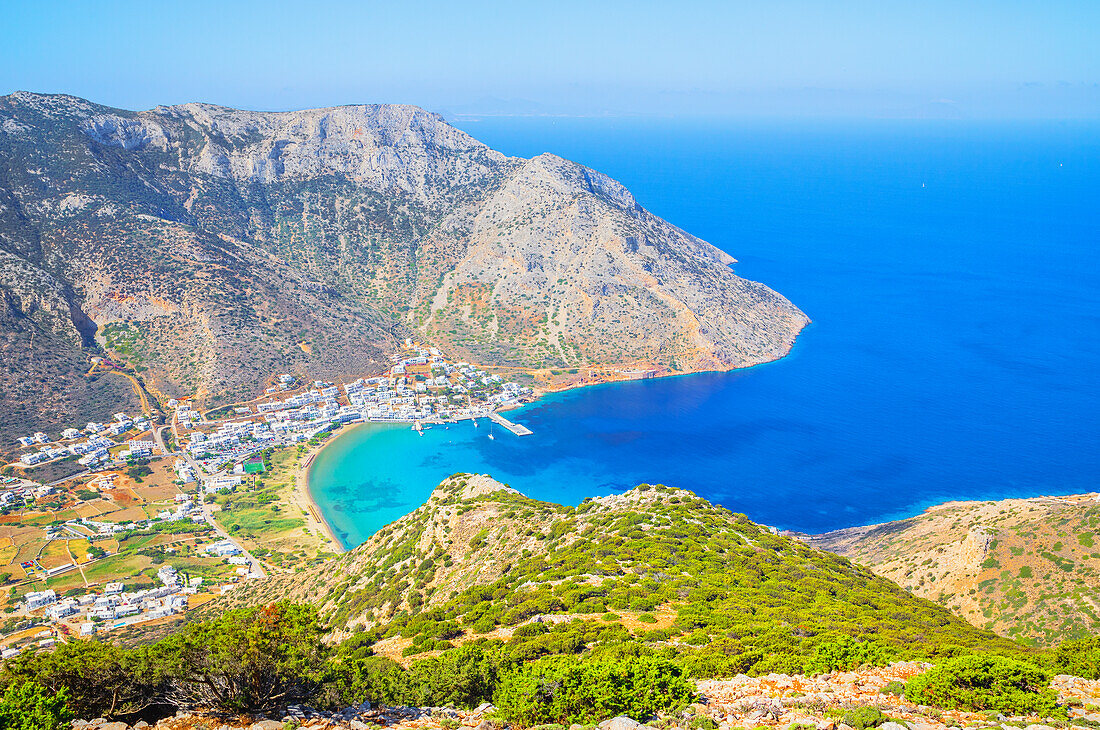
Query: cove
x=952, y=275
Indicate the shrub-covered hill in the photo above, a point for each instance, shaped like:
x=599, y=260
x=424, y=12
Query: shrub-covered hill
x=1024, y=568
x=654, y=565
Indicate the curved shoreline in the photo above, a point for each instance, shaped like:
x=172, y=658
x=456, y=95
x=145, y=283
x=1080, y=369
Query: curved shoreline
x=302, y=489
x=912, y=509
x=317, y=515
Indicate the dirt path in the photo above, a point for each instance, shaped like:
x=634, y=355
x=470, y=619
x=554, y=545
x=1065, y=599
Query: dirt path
x=79, y=567
x=139, y=389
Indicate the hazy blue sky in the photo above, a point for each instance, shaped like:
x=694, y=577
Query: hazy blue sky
x=835, y=57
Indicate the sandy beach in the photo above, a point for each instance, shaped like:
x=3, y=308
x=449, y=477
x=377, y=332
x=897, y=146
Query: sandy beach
x=315, y=519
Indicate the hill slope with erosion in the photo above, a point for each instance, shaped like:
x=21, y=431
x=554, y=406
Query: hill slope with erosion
x=209, y=248
x=1024, y=568
x=479, y=560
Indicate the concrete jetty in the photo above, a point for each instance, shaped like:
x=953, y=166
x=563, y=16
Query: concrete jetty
x=515, y=428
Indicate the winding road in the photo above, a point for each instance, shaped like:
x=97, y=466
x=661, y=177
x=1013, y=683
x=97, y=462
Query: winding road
x=254, y=564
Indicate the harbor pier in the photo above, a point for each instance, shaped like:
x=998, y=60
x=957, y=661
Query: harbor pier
x=515, y=428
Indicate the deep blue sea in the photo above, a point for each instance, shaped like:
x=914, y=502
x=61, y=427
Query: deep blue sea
x=952, y=271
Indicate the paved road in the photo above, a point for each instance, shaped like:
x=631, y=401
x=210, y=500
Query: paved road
x=254, y=564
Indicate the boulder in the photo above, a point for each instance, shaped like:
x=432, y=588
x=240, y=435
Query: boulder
x=891, y=725
x=266, y=725
x=623, y=722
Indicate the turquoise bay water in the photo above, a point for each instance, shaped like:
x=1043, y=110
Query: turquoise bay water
x=952, y=273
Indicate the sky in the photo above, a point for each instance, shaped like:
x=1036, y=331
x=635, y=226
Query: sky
x=880, y=58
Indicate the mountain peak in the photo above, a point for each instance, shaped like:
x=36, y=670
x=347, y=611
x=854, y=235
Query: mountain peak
x=236, y=244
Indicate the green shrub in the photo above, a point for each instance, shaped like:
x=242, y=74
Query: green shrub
x=30, y=706
x=565, y=690
x=463, y=677
x=531, y=629
x=98, y=679
x=862, y=718
x=844, y=653
x=722, y=658
x=1080, y=658
x=702, y=722
x=895, y=688
x=484, y=625
x=248, y=660
x=984, y=682
x=375, y=679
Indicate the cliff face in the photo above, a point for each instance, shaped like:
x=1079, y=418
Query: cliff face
x=220, y=246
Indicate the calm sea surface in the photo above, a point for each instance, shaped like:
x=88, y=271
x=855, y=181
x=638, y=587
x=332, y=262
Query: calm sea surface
x=952, y=271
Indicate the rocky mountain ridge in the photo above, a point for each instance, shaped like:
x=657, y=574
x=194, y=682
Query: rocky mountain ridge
x=221, y=246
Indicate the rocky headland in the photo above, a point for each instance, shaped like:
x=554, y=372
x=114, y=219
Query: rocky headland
x=207, y=248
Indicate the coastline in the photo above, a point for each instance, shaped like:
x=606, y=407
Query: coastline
x=913, y=509
x=315, y=518
x=614, y=373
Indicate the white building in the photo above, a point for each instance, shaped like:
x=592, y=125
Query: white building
x=223, y=549
x=38, y=599
x=60, y=611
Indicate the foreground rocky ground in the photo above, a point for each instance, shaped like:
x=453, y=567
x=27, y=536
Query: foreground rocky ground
x=775, y=700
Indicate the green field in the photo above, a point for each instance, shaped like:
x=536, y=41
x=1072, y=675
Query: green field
x=262, y=514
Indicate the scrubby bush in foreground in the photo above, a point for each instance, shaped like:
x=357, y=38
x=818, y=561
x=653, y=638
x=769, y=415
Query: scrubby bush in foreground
x=863, y=718
x=259, y=660
x=566, y=690
x=97, y=679
x=30, y=706
x=984, y=682
x=249, y=660
x=1080, y=658
x=847, y=653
